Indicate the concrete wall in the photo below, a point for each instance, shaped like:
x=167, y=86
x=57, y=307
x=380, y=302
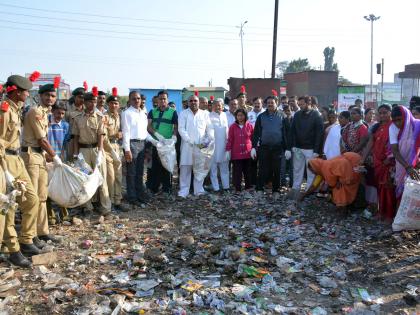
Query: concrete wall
x=254, y=87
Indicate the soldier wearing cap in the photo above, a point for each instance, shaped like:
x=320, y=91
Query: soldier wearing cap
x=88, y=130
x=17, y=89
x=100, y=106
x=34, y=146
x=112, y=151
x=75, y=109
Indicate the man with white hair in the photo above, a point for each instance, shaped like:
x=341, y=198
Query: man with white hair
x=195, y=129
x=203, y=103
x=220, y=125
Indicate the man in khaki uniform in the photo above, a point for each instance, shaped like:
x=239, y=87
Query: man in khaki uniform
x=88, y=130
x=10, y=124
x=112, y=152
x=75, y=109
x=34, y=143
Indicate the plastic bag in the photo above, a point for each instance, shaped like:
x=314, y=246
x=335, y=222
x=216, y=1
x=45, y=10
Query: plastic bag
x=70, y=187
x=408, y=215
x=167, y=154
x=202, y=156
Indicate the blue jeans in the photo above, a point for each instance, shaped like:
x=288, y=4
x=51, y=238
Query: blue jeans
x=135, y=171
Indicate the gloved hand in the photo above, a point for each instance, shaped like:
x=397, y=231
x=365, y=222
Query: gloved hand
x=227, y=155
x=57, y=161
x=115, y=156
x=9, y=178
x=159, y=136
x=253, y=154
x=287, y=155
x=174, y=138
x=99, y=158
x=315, y=155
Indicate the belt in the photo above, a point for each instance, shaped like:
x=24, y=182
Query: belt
x=88, y=146
x=33, y=149
x=136, y=140
x=113, y=140
x=11, y=152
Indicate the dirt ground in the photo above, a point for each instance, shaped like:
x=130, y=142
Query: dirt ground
x=224, y=254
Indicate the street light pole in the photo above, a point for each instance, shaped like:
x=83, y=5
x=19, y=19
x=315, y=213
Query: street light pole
x=241, y=33
x=371, y=18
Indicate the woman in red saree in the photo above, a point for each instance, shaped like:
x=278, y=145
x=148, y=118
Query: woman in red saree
x=339, y=174
x=383, y=164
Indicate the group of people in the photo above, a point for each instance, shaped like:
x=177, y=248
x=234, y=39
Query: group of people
x=266, y=143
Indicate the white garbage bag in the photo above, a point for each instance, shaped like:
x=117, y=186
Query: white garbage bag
x=69, y=187
x=167, y=154
x=408, y=215
x=202, y=156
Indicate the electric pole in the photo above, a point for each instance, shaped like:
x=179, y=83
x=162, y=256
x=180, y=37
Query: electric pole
x=241, y=33
x=273, y=63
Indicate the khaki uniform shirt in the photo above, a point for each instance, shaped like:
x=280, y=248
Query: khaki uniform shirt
x=112, y=127
x=10, y=125
x=35, y=126
x=88, y=127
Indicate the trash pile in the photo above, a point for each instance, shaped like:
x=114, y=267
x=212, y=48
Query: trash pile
x=224, y=254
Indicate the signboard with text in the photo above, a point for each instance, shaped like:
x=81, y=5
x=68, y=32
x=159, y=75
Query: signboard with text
x=347, y=95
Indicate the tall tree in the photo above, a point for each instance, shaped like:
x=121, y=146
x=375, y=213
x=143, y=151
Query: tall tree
x=329, y=64
x=281, y=67
x=298, y=65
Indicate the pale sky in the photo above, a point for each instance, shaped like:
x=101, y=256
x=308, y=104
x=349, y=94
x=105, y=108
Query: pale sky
x=172, y=44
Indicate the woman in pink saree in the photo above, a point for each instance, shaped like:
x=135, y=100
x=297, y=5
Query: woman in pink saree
x=404, y=137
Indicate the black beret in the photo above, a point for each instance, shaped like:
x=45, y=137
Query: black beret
x=112, y=98
x=46, y=88
x=88, y=96
x=101, y=93
x=19, y=81
x=78, y=91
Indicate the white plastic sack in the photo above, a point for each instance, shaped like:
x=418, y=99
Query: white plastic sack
x=167, y=154
x=202, y=160
x=408, y=215
x=71, y=188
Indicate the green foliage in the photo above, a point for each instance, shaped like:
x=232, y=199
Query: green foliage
x=298, y=65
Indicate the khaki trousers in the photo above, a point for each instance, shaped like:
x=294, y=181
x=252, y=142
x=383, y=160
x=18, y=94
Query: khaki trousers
x=35, y=165
x=90, y=154
x=114, y=175
x=28, y=208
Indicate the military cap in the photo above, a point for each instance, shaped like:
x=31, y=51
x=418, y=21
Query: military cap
x=101, y=93
x=19, y=81
x=88, y=96
x=78, y=91
x=46, y=88
x=112, y=98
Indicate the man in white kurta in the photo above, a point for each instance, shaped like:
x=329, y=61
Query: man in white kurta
x=194, y=126
x=220, y=125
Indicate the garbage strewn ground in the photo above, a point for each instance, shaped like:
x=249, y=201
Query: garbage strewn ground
x=222, y=254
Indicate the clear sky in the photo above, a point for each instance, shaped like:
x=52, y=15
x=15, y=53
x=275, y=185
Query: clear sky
x=172, y=44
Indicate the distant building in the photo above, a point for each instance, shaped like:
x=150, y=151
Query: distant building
x=322, y=84
x=409, y=80
x=256, y=87
x=48, y=78
x=207, y=91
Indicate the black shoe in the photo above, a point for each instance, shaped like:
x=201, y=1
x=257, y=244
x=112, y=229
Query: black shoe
x=50, y=237
x=18, y=259
x=29, y=249
x=38, y=243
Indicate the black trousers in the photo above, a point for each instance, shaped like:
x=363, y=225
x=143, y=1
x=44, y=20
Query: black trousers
x=270, y=158
x=135, y=171
x=159, y=174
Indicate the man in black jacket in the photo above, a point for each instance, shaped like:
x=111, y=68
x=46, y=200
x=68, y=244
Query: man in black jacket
x=269, y=134
x=306, y=141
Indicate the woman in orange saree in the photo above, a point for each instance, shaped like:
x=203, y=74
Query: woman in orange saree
x=340, y=175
